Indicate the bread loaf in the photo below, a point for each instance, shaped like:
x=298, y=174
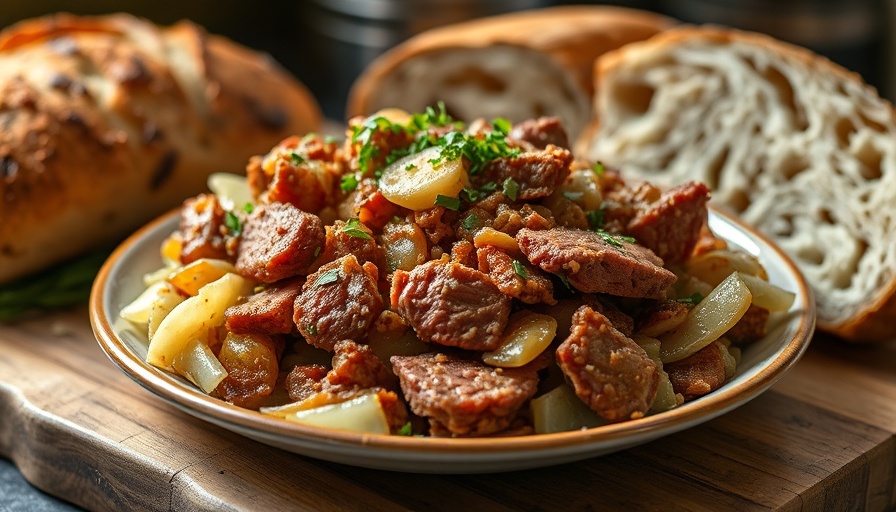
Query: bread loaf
x=798, y=146
x=109, y=121
x=517, y=66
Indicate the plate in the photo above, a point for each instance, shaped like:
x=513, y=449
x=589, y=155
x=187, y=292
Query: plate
x=762, y=364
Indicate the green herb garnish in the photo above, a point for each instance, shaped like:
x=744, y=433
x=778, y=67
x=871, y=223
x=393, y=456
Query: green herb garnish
x=353, y=227
x=693, y=299
x=248, y=207
x=520, y=269
x=598, y=168
x=60, y=286
x=614, y=240
x=233, y=223
x=471, y=222
x=563, y=280
x=348, y=183
x=452, y=203
x=296, y=158
x=595, y=219
x=330, y=276
x=312, y=329
x=406, y=430
x=510, y=188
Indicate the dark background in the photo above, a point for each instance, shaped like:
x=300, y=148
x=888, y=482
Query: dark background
x=326, y=43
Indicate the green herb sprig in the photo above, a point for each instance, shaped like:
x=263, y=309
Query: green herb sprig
x=61, y=286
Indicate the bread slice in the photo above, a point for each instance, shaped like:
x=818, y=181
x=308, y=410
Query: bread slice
x=109, y=121
x=798, y=146
x=517, y=66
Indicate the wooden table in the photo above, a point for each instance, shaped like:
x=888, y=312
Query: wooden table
x=821, y=439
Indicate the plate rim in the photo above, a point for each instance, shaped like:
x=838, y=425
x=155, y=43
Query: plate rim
x=605, y=438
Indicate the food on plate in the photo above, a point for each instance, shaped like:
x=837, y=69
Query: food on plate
x=110, y=120
x=431, y=277
x=517, y=66
x=796, y=145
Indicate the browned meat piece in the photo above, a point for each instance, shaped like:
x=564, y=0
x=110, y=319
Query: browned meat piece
x=464, y=252
x=340, y=301
x=661, y=317
x=699, y=373
x=670, y=227
x=524, y=282
x=463, y=397
x=750, y=327
x=541, y=132
x=252, y=362
x=622, y=201
x=267, y=312
x=596, y=262
x=621, y=321
x=436, y=223
x=355, y=365
x=343, y=239
x=297, y=171
x=609, y=372
x=381, y=141
x=202, y=229
x=305, y=381
x=278, y=241
x=451, y=304
x=537, y=172
x=507, y=220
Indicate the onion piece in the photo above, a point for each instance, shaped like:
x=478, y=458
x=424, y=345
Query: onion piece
x=709, y=319
x=415, y=182
x=526, y=336
x=361, y=414
x=767, y=295
x=198, y=364
x=560, y=410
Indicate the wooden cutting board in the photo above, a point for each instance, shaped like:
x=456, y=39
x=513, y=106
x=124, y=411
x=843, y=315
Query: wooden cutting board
x=823, y=438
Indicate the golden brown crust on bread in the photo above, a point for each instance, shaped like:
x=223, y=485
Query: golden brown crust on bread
x=571, y=36
x=797, y=145
x=109, y=121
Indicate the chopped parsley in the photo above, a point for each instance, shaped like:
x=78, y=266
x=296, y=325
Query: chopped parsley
x=563, y=280
x=598, y=168
x=614, y=240
x=693, y=299
x=471, y=222
x=452, y=203
x=477, y=149
x=406, y=430
x=296, y=158
x=595, y=219
x=520, y=269
x=511, y=189
x=348, y=183
x=475, y=194
x=248, y=207
x=312, y=329
x=353, y=227
x=233, y=223
x=330, y=276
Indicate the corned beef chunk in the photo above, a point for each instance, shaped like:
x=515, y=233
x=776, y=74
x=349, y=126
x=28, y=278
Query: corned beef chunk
x=596, y=262
x=451, y=304
x=339, y=301
x=609, y=371
x=278, y=241
x=463, y=397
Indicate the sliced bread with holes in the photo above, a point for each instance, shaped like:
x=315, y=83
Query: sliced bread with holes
x=796, y=145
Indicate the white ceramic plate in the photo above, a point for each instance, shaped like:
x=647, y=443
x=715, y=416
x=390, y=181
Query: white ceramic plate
x=763, y=363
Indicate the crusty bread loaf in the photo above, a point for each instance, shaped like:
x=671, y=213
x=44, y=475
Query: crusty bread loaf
x=109, y=121
x=517, y=66
x=797, y=145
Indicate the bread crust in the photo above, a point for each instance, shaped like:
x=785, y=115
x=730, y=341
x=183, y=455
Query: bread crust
x=111, y=120
x=868, y=315
x=571, y=36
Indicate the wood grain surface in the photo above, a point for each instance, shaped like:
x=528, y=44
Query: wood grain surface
x=823, y=438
